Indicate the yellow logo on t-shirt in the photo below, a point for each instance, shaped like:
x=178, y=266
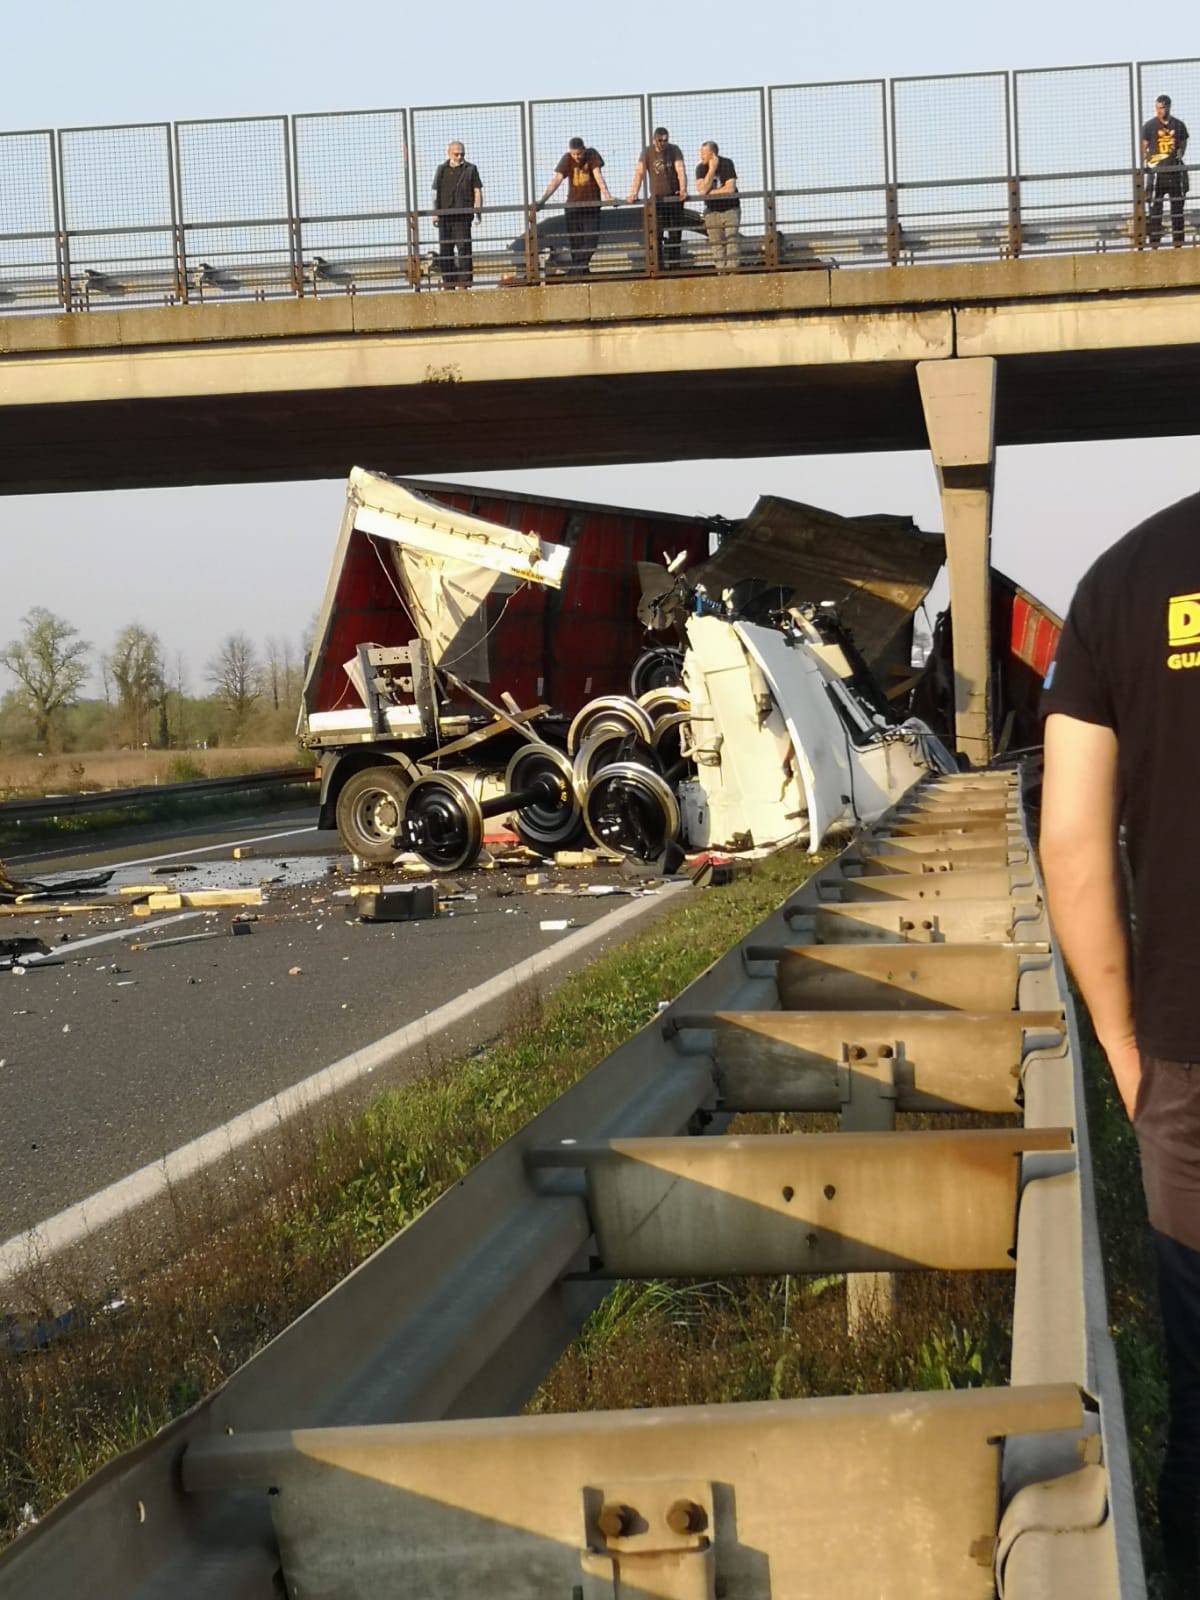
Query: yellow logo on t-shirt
x=1183, y=628
x=1183, y=619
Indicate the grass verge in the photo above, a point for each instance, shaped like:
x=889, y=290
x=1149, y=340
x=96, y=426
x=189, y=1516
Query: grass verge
x=1132, y=1292
x=246, y=1265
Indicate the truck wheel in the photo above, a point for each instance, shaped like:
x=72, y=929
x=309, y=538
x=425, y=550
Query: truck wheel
x=369, y=809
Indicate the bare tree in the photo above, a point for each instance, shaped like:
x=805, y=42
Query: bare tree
x=180, y=699
x=136, y=664
x=272, y=670
x=235, y=676
x=49, y=662
x=293, y=677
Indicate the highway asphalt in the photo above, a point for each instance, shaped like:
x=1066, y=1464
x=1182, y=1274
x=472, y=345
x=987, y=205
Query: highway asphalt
x=117, y=1057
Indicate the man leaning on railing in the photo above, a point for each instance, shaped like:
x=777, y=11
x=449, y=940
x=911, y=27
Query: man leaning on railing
x=1164, y=142
x=458, y=201
x=582, y=170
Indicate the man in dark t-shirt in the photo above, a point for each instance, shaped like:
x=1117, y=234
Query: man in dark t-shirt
x=661, y=166
x=457, y=203
x=1164, y=143
x=716, y=180
x=1123, y=745
x=582, y=170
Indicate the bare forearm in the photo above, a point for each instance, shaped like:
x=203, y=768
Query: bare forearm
x=1087, y=906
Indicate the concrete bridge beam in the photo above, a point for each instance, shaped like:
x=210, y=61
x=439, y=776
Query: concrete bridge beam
x=959, y=401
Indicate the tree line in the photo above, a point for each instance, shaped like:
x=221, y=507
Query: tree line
x=146, y=699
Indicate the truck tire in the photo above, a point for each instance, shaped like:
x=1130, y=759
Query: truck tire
x=369, y=809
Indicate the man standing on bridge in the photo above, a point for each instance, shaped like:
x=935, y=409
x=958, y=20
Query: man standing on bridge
x=582, y=170
x=1164, y=141
x=1123, y=704
x=716, y=180
x=457, y=203
x=662, y=162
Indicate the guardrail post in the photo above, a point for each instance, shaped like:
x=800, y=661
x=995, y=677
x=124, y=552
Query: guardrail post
x=1014, y=217
x=296, y=249
x=650, y=233
x=1139, y=208
x=532, y=273
x=179, y=247
x=892, y=204
x=413, y=236
x=869, y=1106
x=63, y=265
x=771, y=251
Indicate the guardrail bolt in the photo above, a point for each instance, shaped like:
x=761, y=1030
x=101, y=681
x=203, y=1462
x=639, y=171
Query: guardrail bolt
x=616, y=1521
x=685, y=1516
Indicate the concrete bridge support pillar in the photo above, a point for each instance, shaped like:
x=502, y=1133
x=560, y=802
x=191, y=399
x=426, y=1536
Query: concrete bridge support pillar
x=959, y=398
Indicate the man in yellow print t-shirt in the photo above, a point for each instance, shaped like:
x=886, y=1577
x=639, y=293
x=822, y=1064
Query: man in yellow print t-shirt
x=1164, y=142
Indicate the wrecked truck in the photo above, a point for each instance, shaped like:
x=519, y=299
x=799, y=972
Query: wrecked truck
x=591, y=673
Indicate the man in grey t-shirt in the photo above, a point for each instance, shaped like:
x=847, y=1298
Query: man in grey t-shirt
x=661, y=165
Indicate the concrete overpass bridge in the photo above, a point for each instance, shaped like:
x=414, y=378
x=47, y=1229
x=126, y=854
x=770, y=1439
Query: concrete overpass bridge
x=243, y=301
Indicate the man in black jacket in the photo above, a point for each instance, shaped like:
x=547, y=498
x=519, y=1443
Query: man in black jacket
x=457, y=203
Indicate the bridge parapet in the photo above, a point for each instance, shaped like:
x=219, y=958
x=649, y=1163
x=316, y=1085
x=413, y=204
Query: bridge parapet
x=935, y=170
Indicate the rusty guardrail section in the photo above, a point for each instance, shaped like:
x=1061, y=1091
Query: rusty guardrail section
x=373, y=1448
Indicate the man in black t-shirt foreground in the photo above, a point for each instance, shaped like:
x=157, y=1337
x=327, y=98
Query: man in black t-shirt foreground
x=1164, y=143
x=457, y=203
x=716, y=180
x=582, y=170
x=661, y=164
x=1123, y=745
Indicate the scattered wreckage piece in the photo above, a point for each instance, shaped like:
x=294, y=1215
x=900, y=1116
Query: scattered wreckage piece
x=234, y=930
x=15, y=889
x=204, y=899
x=51, y=908
x=410, y=902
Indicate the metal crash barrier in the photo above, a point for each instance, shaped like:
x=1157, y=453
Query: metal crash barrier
x=374, y=1448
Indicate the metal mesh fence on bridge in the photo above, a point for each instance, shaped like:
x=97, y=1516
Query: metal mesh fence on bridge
x=951, y=160
x=975, y=166
x=30, y=269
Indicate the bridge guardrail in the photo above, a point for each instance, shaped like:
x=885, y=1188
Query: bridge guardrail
x=969, y=166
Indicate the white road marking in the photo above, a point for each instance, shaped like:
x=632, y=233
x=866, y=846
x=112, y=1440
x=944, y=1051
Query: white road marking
x=157, y=1178
x=176, y=855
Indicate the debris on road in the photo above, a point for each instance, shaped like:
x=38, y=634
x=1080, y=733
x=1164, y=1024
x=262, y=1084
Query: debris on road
x=234, y=928
x=401, y=903
x=193, y=898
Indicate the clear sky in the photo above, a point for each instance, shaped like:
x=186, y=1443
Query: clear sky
x=196, y=563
